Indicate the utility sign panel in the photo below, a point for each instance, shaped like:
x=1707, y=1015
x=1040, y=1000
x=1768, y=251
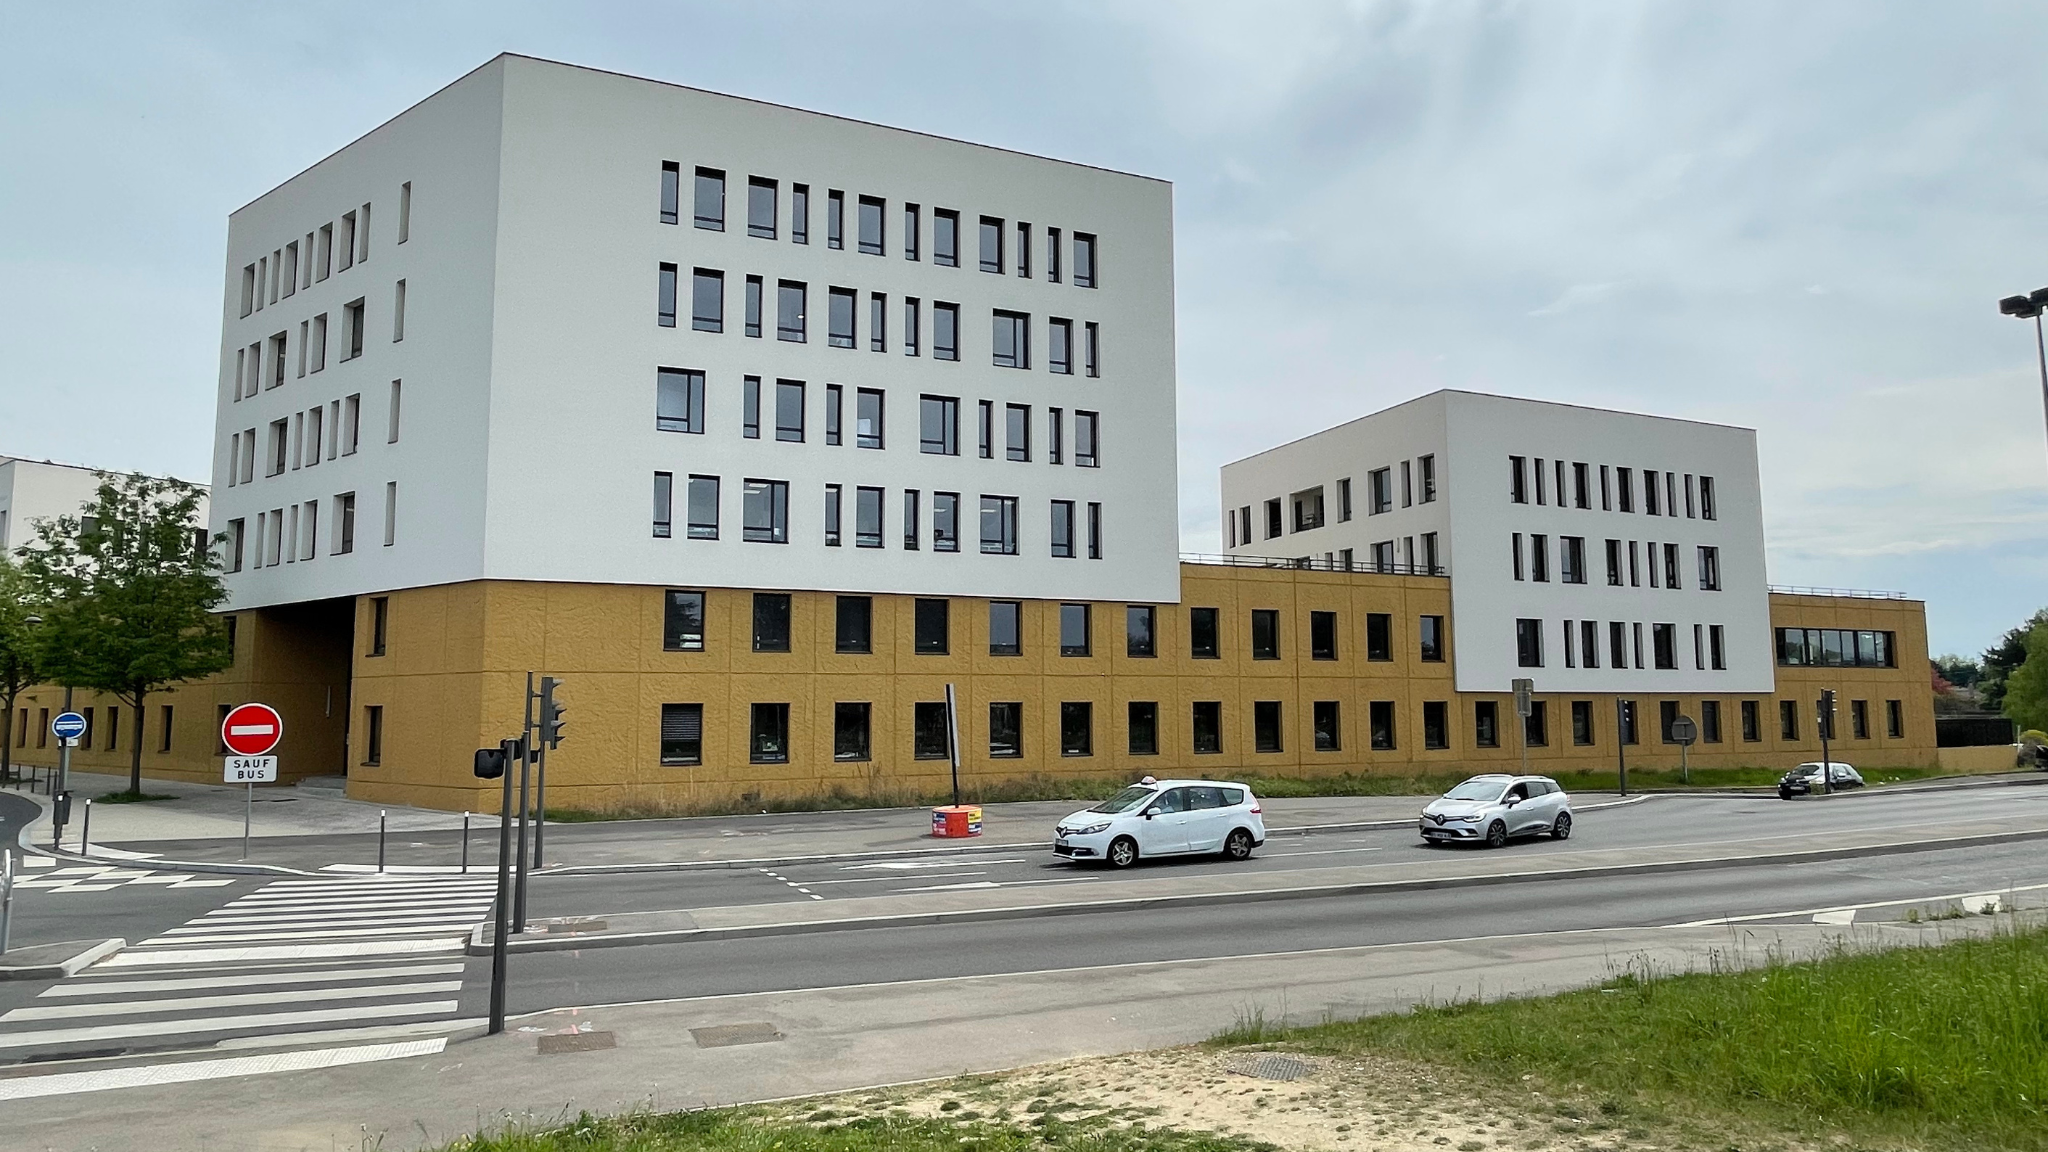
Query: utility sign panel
x=250, y=770
x=252, y=729
x=68, y=726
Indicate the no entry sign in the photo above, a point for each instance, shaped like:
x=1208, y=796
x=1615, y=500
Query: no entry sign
x=251, y=729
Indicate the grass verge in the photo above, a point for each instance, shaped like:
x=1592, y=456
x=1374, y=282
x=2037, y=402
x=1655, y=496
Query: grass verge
x=755, y=1130
x=130, y=798
x=1940, y=1046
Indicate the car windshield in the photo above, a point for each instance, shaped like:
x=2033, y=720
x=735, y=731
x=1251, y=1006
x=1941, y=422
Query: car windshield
x=1475, y=789
x=1126, y=800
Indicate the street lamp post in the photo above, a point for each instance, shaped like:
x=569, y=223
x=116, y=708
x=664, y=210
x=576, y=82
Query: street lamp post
x=2030, y=307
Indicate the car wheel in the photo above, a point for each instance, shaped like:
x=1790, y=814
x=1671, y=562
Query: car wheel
x=1123, y=852
x=1237, y=845
x=1784, y=793
x=1562, y=828
x=1496, y=835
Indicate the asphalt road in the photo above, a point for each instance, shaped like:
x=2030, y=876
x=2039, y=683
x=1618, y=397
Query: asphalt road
x=599, y=976
x=1660, y=821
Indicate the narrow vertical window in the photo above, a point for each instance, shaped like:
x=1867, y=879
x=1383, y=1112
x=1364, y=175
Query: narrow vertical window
x=703, y=509
x=800, y=213
x=945, y=331
x=665, y=299
x=1052, y=255
x=835, y=219
x=911, y=520
x=750, y=408
x=753, y=306
x=761, y=197
x=991, y=244
x=1707, y=498
x=710, y=199
x=397, y=322
x=789, y=311
x=391, y=435
x=832, y=515
x=1087, y=440
x=835, y=401
x=1085, y=275
x=945, y=521
x=707, y=300
x=671, y=193
x=988, y=424
x=1063, y=529
x=1023, y=249
x=1055, y=443
x=839, y=327
x=664, y=503
x=1059, y=346
x=1091, y=348
x=871, y=238
x=878, y=322
x=945, y=237
x=1094, y=531
x=867, y=418
x=404, y=219
x=910, y=326
x=391, y=513
x=910, y=231
x=1017, y=432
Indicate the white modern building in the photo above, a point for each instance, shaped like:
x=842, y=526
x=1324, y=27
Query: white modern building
x=32, y=490
x=1588, y=550
x=558, y=324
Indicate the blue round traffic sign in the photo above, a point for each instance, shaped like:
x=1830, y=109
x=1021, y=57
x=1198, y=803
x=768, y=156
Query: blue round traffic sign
x=68, y=726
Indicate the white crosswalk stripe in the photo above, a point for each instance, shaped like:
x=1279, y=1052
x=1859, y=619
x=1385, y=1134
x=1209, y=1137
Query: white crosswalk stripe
x=362, y=953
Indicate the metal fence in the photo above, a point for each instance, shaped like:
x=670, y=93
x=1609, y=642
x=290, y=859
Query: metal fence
x=1315, y=564
x=1855, y=593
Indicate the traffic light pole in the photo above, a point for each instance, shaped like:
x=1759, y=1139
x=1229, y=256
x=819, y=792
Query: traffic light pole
x=501, y=911
x=1621, y=741
x=525, y=768
x=1826, y=721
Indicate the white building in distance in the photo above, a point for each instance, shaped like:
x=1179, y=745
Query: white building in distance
x=1588, y=550
x=32, y=490
x=558, y=324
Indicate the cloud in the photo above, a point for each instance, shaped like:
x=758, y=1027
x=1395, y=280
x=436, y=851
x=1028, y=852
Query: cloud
x=1576, y=296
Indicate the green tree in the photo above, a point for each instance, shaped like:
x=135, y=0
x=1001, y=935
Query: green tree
x=2026, y=690
x=1960, y=671
x=131, y=585
x=19, y=668
x=2001, y=659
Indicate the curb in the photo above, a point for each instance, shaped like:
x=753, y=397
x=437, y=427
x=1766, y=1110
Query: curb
x=62, y=968
x=479, y=945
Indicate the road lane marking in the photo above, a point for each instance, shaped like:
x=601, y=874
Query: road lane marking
x=137, y=958
x=878, y=879
x=1951, y=898
x=1319, y=852
x=921, y=865
x=234, y=1000
x=311, y=976
x=979, y=884
x=135, y=1029
x=150, y=1075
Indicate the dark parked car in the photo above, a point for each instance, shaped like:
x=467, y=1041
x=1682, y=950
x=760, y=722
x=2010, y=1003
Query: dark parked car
x=1805, y=779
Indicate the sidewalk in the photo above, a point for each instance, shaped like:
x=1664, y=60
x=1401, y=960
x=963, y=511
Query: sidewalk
x=832, y=1039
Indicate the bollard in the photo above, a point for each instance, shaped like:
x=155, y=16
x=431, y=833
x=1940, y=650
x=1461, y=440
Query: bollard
x=6, y=895
x=380, y=839
x=465, y=843
x=85, y=831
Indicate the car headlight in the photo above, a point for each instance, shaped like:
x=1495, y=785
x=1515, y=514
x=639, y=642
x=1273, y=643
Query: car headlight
x=1092, y=829
x=1466, y=819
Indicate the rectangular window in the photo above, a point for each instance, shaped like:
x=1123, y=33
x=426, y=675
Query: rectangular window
x=391, y=513
x=1710, y=721
x=761, y=196
x=945, y=237
x=1208, y=727
x=800, y=213
x=1485, y=724
x=789, y=311
x=326, y=251
x=1582, y=722
x=753, y=307
x=910, y=520
x=1074, y=631
x=665, y=300
x=352, y=319
x=853, y=628
x=1012, y=339
x=1571, y=559
x=1427, y=466
x=1265, y=634
x=991, y=244
x=1380, y=491
x=1518, y=479
x=1582, y=495
x=347, y=247
x=1699, y=647
x=1894, y=717
x=703, y=509
x=1407, y=484
x=319, y=342
x=397, y=324
x=850, y=731
x=1788, y=719
x=1710, y=569
x=671, y=196
x=867, y=517
x=1077, y=728
x=945, y=331
x=1143, y=726
x=1650, y=500
x=1707, y=498
x=910, y=326
x=1139, y=633
x=707, y=300
x=682, y=730
x=1589, y=642
x=771, y=621
x=1664, y=644
x=1529, y=643
x=1063, y=529
x=835, y=403
x=768, y=734
x=1432, y=636
x=1052, y=255
x=1752, y=725
x=1634, y=572
x=1380, y=719
x=344, y=526
x=1091, y=348
x=1023, y=249
x=1859, y=719
x=1266, y=726
x=832, y=493
x=1084, y=261
x=910, y=231
x=390, y=432
x=664, y=501
x=835, y=219
x=839, y=330
x=1087, y=440
x=373, y=734
x=351, y=423
x=945, y=521
x=1536, y=729
x=878, y=322
x=999, y=525
x=932, y=738
x=1204, y=636
x=1667, y=719
x=1436, y=724
x=1322, y=635
x=1059, y=347
x=789, y=411
x=678, y=400
x=1379, y=635
x=1539, y=557
x=939, y=425
x=710, y=199
x=1625, y=487
x=1017, y=432
x=1614, y=563
x=1430, y=564
x=765, y=511
x=1005, y=628
x=1688, y=496
x=1006, y=730
x=867, y=418
x=1671, y=566
x=933, y=627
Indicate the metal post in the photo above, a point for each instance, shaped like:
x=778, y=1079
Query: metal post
x=525, y=764
x=1684, y=771
x=1621, y=741
x=248, y=804
x=953, y=740
x=380, y=839
x=62, y=782
x=1821, y=719
x=2041, y=347
x=501, y=910
x=85, y=831
x=465, y=843
x=540, y=802
x=6, y=895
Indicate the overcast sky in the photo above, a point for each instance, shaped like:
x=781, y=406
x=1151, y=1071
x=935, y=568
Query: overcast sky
x=1792, y=217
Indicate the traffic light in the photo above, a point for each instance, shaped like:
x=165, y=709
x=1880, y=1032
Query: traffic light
x=551, y=712
x=490, y=762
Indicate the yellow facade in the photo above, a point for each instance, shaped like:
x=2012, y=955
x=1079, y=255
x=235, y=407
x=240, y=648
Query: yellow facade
x=452, y=671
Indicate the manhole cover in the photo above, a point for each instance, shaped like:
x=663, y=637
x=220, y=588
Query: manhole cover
x=724, y=1035
x=575, y=926
x=1272, y=1066
x=577, y=1042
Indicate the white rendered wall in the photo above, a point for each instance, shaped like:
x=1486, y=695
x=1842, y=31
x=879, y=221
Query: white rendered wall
x=32, y=490
x=574, y=446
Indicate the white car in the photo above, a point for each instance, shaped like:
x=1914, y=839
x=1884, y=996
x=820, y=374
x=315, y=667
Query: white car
x=1165, y=818
x=1491, y=809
